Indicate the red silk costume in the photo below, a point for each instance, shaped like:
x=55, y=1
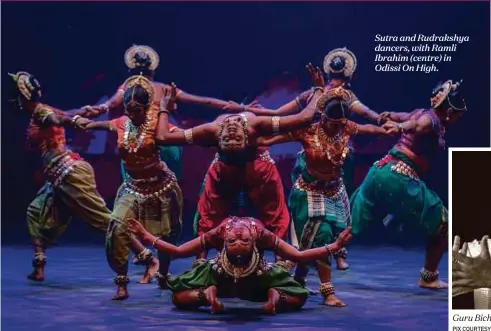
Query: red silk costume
x=254, y=172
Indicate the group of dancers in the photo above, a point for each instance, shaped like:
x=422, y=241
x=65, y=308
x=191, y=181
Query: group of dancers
x=148, y=206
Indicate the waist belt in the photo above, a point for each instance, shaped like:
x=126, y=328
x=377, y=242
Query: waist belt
x=398, y=166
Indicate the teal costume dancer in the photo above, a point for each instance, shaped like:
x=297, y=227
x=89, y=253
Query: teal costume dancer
x=318, y=201
x=299, y=169
x=393, y=185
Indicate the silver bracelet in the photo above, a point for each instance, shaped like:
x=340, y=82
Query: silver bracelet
x=75, y=118
x=155, y=241
x=276, y=124
x=188, y=135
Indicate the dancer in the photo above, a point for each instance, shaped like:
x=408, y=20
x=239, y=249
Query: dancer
x=393, y=184
x=144, y=60
x=240, y=269
x=150, y=192
x=240, y=164
x=318, y=201
x=70, y=189
x=339, y=65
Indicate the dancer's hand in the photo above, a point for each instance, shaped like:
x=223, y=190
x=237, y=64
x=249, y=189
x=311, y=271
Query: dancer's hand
x=137, y=228
x=254, y=104
x=384, y=117
x=168, y=101
x=316, y=75
x=475, y=272
x=89, y=111
x=234, y=107
x=81, y=123
x=344, y=238
x=391, y=128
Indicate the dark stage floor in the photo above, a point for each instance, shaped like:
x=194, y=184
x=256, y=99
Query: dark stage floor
x=380, y=291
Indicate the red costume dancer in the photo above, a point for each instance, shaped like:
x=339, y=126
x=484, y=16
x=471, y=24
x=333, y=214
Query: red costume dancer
x=240, y=165
x=240, y=269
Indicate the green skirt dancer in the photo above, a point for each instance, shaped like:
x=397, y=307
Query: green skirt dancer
x=253, y=288
x=392, y=186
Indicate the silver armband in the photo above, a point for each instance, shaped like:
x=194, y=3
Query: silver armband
x=75, y=118
x=276, y=124
x=354, y=103
x=188, y=135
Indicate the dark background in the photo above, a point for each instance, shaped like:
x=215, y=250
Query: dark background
x=471, y=175
x=230, y=51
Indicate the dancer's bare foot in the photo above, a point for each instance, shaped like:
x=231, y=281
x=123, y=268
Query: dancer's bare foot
x=341, y=264
x=121, y=293
x=37, y=274
x=332, y=301
x=273, y=301
x=38, y=264
x=434, y=285
x=150, y=271
x=211, y=297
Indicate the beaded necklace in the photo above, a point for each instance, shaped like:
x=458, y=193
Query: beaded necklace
x=336, y=146
x=134, y=136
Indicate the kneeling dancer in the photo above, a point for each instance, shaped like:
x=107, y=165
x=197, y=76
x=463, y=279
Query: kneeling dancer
x=240, y=269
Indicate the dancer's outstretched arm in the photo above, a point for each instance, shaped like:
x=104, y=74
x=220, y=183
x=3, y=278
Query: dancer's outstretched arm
x=60, y=118
x=99, y=125
x=290, y=253
x=299, y=102
x=394, y=116
x=361, y=110
x=188, y=249
x=289, y=108
x=51, y=116
x=204, y=134
x=421, y=125
x=369, y=129
x=273, y=140
x=114, y=102
x=209, y=102
x=267, y=125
